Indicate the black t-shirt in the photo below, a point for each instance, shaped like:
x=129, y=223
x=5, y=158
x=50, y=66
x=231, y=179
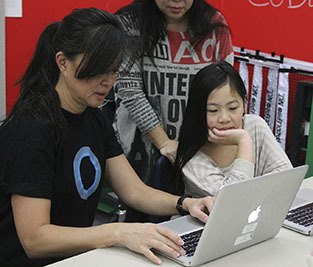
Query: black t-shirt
x=70, y=172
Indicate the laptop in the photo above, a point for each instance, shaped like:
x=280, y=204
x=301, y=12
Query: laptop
x=244, y=214
x=300, y=215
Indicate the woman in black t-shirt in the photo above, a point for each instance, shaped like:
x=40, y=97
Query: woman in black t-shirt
x=57, y=149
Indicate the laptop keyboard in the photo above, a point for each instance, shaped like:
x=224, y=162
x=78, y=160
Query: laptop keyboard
x=191, y=241
x=302, y=215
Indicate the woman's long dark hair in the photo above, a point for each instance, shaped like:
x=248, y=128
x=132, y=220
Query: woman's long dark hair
x=152, y=23
x=91, y=32
x=194, y=131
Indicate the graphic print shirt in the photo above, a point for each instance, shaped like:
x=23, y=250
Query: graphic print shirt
x=70, y=174
x=153, y=94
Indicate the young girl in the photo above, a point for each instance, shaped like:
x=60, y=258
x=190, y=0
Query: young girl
x=220, y=144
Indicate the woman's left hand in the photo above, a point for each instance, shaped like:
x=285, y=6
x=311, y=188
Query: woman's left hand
x=199, y=207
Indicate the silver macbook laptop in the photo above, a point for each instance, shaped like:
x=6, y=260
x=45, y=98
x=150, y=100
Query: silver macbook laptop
x=244, y=214
x=300, y=215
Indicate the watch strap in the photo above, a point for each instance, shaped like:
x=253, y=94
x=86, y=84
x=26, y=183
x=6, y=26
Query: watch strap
x=179, y=205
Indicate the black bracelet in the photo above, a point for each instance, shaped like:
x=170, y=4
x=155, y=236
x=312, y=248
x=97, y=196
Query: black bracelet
x=179, y=205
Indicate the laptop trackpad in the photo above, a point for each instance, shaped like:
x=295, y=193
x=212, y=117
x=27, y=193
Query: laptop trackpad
x=183, y=224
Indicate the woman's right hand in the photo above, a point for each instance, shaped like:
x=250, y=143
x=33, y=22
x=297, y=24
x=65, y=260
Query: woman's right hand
x=144, y=237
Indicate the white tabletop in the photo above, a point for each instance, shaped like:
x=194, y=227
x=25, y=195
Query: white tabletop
x=287, y=249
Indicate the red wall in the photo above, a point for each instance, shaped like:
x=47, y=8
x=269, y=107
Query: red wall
x=22, y=33
x=281, y=29
x=281, y=26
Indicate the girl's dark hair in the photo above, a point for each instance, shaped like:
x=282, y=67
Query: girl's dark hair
x=91, y=32
x=194, y=131
x=152, y=23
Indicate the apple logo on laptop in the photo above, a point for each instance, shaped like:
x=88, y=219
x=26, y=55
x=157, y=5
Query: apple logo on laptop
x=254, y=215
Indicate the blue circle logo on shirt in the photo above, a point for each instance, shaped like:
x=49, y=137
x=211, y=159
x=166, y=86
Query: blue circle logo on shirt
x=82, y=153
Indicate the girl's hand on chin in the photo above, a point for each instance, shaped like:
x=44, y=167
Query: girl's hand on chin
x=228, y=137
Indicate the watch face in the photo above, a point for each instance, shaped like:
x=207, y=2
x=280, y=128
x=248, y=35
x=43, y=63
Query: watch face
x=179, y=207
x=181, y=210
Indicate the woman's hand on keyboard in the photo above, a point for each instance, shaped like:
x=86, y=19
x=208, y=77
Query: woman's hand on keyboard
x=199, y=207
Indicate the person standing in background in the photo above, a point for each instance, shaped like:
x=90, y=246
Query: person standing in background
x=177, y=38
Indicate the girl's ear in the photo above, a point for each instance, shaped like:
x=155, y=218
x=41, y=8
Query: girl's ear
x=61, y=60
